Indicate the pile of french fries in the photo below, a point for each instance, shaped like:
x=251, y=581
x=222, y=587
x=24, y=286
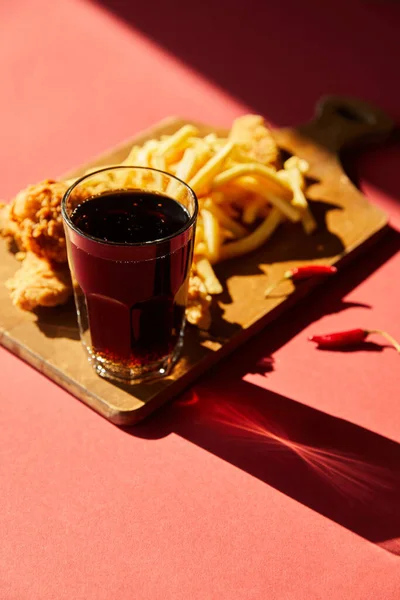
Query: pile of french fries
x=244, y=189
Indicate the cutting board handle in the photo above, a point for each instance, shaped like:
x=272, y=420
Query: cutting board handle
x=342, y=121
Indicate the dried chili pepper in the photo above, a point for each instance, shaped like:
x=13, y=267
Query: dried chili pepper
x=351, y=337
x=299, y=273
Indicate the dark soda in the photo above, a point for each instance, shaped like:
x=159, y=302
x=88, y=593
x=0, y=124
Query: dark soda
x=132, y=268
x=130, y=217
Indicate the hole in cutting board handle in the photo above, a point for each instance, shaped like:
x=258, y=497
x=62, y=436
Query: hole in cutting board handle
x=352, y=115
x=346, y=121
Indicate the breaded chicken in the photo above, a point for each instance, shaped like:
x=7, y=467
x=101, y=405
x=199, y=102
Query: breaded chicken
x=252, y=135
x=9, y=229
x=33, y=219
x=39, y=283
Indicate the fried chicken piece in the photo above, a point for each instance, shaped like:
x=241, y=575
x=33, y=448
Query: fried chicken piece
x=252, y=135
x=8, y=228
x=199, y=302
x=39, y=283
x=33, y=219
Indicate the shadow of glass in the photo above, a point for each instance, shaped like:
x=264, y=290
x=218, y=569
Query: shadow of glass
x=58, y=322
x=342, y=471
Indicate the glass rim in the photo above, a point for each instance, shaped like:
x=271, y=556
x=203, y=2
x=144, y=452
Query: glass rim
x=186, y=227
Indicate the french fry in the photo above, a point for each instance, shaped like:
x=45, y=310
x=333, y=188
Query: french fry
x=159, y=162
x=231, y=211
x=219, y=197
x=144, y=154
x=296, y=181
x=173, y=147
x=187, y=166
x=256, y=239
x=201, y=249
x=172, y=168
x=99, y=180
x=212, y=234
x=298, y=163
x=204, y=177
x=225, y=220
x=252, y=210
x=199, y=230
x=192, y=160
x=94, y=169
x=214, y=142
x=229, y=195
x=206, y=273
x=211, y=138
x=226, y=200
x=143, y=158
x=267, y=173
x=294, y=175
x=226, y=234
x=255, y=185
x=308, y=222
x=131, y=158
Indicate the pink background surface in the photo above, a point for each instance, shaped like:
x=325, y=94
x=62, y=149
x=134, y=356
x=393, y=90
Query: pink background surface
x=285, y=485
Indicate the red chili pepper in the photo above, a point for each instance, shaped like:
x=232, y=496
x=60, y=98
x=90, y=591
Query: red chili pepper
x=350, y=338
x=299, y=273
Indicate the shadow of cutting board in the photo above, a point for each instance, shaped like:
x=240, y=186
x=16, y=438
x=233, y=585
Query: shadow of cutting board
x=49, y=339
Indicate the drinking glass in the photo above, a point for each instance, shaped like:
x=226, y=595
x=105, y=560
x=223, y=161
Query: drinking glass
x=130, y=297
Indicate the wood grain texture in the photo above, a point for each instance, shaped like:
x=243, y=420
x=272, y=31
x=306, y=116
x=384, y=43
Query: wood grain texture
x=49, y=340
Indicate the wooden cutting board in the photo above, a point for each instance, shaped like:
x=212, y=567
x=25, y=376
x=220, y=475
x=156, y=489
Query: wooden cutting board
x=49, y=339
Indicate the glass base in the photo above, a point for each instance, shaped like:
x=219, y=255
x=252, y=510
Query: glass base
x=118, y=373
